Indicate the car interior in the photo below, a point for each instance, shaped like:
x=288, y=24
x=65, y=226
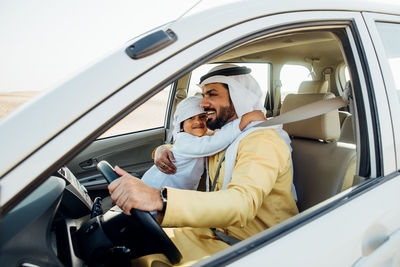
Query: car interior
x=326, y=148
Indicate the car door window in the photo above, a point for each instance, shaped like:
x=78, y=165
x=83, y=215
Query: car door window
x=149, y=115
x=291, y=76
x=390, y=35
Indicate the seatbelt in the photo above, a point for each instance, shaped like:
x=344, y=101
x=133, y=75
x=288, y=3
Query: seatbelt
x=217, y=172
x=327, y=77
x=230, y=240
x=301, y=113
x=277, y=97
x=306, y=112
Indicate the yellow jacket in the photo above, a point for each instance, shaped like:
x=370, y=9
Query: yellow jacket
x=258, y=197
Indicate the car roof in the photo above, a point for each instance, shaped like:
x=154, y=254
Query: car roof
x=384, y=6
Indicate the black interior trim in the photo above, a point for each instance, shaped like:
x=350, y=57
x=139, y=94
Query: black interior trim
x=365, y=160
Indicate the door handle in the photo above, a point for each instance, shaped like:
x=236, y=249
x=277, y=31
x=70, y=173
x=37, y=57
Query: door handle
x=387, y=254
x=88, y=164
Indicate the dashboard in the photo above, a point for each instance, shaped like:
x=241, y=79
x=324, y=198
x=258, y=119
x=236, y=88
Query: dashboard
x=57, y=224
x=75, y=195
x=44, y=224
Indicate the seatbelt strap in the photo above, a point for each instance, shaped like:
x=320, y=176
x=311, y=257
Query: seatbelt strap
x=327, y=77
x=277, y=97
x=230, y=240
x=217, y=172
x=305, y=112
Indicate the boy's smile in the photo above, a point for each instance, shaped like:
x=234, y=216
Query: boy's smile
x=196, y=125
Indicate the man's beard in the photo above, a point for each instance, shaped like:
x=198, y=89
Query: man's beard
x=226, y=113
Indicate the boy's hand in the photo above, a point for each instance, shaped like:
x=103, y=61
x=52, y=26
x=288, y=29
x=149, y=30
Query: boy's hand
x=255, y=115
x=164, y=160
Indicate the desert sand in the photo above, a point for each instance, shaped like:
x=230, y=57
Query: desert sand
x=149, y=115
x=10, y=101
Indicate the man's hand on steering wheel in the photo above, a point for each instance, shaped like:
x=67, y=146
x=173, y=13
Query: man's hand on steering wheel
x=164, y=160
x=135, y=199
x=129, y=192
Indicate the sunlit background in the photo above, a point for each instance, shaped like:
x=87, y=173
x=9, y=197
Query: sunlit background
x=44, y=42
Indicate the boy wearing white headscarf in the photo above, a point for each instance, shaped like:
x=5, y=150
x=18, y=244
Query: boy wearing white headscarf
x=191, y=145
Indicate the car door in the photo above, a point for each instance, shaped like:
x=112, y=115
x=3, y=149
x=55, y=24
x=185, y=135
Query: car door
x=345, y=229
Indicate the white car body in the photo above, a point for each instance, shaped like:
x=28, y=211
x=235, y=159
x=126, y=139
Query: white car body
x=359, y=225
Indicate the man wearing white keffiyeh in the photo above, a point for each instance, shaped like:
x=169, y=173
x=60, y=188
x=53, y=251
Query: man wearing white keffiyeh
x=255, y=194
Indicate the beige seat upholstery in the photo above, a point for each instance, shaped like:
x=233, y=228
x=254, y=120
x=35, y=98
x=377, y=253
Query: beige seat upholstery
x=346, y=131
x=322, y=166
x=313, y=87
x=342, y=116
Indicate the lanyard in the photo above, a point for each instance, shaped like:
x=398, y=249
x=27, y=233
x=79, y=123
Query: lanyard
x=217, y=173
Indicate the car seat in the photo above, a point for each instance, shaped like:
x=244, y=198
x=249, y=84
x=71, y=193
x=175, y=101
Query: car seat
x=322, y=165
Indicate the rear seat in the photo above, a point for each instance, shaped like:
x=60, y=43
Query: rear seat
x=322, y=165
x=310, y=87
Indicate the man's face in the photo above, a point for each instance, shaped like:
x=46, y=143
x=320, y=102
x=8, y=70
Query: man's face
x=217, y=104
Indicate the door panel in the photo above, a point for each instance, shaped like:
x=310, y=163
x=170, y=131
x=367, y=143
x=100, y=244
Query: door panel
x=131, y=152
x=381, y=250
x=338, y=237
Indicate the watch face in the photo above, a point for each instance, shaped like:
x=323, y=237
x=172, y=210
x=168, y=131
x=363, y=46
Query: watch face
x=164, y=194
x=164, y=198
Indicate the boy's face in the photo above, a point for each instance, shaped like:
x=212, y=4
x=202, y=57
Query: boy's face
x=196, y=125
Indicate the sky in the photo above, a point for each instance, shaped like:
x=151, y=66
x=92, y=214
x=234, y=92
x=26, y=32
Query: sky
x=43, y=42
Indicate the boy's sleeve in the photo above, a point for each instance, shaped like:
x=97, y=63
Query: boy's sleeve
x=191, y=146
x=260, y=159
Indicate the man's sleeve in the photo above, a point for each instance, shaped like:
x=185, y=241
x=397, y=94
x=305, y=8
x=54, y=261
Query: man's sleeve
x=262, y=155
x=190, y=146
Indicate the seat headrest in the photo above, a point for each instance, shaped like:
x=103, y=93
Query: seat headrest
x=325, y=127
x=313, y=87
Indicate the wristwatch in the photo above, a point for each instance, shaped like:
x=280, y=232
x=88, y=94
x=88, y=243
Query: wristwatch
x=163, y=194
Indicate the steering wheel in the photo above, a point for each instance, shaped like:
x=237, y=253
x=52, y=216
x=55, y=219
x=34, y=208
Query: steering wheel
x=143, y=232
